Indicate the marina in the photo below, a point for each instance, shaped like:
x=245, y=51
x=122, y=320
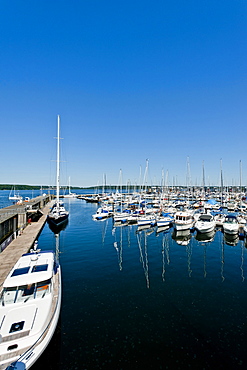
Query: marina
x=135, y=295
x=135, y=258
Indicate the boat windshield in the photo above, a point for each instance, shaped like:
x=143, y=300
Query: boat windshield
x=231, y=220
x=183, y=218
x=205, y=219
x=25, y=293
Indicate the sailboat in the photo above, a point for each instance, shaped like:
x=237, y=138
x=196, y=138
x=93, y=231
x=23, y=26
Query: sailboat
x=58, y=213
x=70, y=194
x=14, y=196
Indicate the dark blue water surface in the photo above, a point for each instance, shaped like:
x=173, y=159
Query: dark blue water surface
x=133, y=300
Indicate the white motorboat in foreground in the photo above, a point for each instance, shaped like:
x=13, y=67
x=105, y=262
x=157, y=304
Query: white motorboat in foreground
x=29, y=309
x=231, y=225
x=205, y=223
x=183, y=220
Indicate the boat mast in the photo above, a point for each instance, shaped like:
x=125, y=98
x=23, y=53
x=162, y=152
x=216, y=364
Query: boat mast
x=69, y=185
x=58, y=158
x=240, y=169
x=188, y=179
x=221, y=180
x=203, y=182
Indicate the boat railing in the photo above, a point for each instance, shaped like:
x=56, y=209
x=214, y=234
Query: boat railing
x=55, y=303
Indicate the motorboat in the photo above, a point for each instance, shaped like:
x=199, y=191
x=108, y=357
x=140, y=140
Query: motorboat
x=205, y=223
x=121, y=217
x=231, y=225
x=133, y=217
x=90, y=198
x=245, y=230
x=30, y=304
x=102, y=213
x=147, y=219
x=165, y=219
x=183, y=220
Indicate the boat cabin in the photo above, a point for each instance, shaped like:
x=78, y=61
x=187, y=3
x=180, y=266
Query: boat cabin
x=231, y=219
x=29, y=279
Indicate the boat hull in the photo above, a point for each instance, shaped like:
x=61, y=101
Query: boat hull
x=206, y=227
x=28, y=345
x=230, y=230
x=164, y=221
x=186, y=226
x=32, y=355
x=183, y=221
x=143, y=221
x=57, y=221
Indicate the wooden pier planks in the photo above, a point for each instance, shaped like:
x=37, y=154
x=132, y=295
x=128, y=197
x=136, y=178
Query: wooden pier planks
x=21, y=245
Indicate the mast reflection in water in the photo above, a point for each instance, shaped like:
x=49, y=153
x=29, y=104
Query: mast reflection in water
x=135, y=298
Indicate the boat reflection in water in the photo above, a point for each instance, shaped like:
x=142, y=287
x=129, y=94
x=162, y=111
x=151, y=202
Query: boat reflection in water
x=182, y=237
x=143, y=249
x=145, y=227
x=57, y=228
x=164, y=229
x=231, y=239
x=165, y=252
x=205, y=237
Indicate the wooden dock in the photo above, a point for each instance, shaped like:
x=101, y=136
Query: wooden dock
x=10, y=255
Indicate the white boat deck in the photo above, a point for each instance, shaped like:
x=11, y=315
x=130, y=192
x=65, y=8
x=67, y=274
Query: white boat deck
x=21, y=245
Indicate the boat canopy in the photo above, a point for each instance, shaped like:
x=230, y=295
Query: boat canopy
x=166, y=214
x=212, y=202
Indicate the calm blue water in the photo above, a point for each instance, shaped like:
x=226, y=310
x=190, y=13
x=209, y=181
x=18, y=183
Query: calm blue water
x=4, y=195
x=141, y=299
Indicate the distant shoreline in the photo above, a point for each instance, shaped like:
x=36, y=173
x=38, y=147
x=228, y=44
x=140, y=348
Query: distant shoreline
x=106, y=188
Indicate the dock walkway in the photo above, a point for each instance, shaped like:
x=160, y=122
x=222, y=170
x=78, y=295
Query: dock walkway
x=10, y=255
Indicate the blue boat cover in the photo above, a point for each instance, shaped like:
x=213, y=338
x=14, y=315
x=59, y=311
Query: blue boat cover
x=212, y=202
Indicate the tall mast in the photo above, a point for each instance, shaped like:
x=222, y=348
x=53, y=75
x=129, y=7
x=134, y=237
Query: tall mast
x=145, y=176
x=240, y=168
x=221, y=180
x=58, y=157
x=203, y=181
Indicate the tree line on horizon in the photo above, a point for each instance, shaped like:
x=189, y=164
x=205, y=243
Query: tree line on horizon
x=105, y=188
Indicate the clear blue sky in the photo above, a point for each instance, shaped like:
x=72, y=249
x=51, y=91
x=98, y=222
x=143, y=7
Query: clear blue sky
x=164, y=80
